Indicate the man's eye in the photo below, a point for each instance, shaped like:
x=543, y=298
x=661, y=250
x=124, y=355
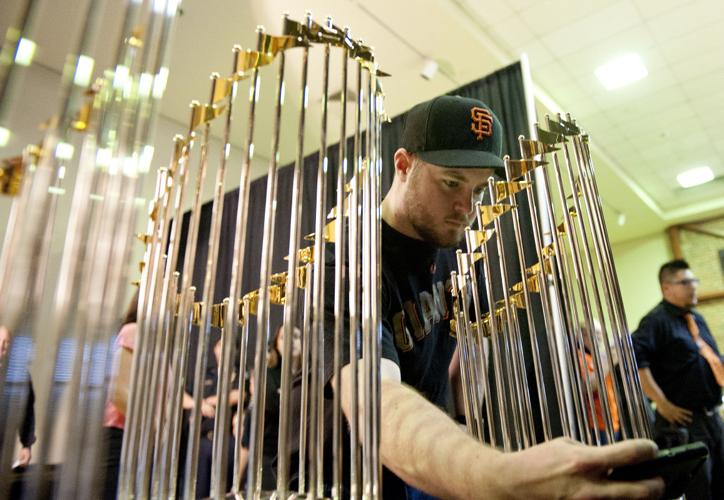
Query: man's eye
x=451, y=184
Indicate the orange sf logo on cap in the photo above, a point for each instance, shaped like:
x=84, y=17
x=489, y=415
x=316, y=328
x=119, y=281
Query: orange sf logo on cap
x=482, y=125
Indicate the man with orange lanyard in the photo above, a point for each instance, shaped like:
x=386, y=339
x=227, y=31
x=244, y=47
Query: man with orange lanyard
x=681, y=372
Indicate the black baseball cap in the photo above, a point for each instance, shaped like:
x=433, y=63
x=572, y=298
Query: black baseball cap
x=454, y=131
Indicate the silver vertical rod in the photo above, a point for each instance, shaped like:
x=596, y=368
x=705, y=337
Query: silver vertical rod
x=304, y=413
x=262, y=332
x=339, y=281
x=354, y=295
x=239, y=428
x=375, y=96
x=320, y=267
x=237, y=266
x=291, y=293
x=368, y=365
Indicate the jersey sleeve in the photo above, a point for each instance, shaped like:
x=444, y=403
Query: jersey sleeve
x=644, y=342
x=387, y=351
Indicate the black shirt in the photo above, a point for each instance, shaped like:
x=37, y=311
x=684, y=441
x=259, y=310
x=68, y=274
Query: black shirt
x=416, y=312
x=664, y=344
x=416, y=309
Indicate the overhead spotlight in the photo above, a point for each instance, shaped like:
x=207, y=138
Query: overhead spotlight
x=621, y=71
x=695, y=176
x=429, y=69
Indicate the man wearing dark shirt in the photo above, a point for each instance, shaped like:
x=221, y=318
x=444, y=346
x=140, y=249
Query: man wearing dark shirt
x=450, y=147
x=681, y=372
x=26, y=429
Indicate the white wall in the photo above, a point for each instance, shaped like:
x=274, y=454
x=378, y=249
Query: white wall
x=637, y=262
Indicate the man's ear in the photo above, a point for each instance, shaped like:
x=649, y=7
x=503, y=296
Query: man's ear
x=403, y=163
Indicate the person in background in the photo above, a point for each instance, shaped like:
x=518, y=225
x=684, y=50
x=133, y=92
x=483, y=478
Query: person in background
x=681, y=372
x=271, y=416
x=114, y=419
x=26, y=430
x=208, y=412
x=599, y=426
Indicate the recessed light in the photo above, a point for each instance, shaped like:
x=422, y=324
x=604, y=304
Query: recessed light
x=621, y=71
x=64, y=151
x=695, y=176
x=83, y=71
x=25, y=52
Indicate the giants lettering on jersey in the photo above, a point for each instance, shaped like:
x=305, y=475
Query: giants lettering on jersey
x=416, y=320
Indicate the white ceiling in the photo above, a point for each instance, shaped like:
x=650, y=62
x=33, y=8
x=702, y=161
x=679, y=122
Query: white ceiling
x=643, y=135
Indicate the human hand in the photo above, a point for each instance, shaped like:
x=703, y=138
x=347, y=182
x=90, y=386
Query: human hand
x=674, y=414
x=563, y=468
x=4, y=341
x=23, y=459
x=234, y=423
x=208, y=410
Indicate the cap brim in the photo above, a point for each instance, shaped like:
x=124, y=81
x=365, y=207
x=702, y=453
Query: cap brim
x=461, y=158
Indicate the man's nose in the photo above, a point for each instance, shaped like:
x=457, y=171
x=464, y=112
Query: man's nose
x=465, y=204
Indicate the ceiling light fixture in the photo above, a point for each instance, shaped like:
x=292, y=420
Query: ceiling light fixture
x=621, y=71
x=429, y=69
x=695, y=176
x=25, y=52
x=4, y=137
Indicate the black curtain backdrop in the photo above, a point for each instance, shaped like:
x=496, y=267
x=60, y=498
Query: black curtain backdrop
x=502, y=91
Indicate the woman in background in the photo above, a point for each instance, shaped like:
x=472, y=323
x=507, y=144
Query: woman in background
x=115, y=414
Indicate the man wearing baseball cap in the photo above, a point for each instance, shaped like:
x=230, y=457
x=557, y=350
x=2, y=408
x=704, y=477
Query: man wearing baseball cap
x=450, y=147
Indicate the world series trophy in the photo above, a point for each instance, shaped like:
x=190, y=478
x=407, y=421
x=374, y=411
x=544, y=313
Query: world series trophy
x=168, y=304
x=568, y=279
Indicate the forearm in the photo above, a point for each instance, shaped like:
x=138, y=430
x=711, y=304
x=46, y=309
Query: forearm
x=123, y=361
x=187, y=402
x=650, y=387
x=428, y=450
